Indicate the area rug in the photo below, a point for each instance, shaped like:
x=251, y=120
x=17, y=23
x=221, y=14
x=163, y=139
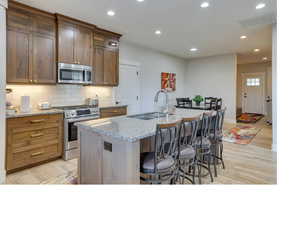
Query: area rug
x=241, y=134
x=249, y=118
x=69, y=178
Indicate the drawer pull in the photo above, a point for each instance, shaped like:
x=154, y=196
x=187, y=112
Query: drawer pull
x=37, y=135
x=37, y=121
x=36, y=154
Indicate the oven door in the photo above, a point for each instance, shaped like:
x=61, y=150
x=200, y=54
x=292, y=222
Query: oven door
x=72, y=131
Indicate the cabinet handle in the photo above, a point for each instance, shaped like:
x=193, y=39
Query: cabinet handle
x=37, y=154
x=37, y=121
x=37, y=135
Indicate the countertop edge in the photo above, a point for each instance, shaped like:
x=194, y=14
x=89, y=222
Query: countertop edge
x=112, y=106
x=111, y=134
x=20, y=115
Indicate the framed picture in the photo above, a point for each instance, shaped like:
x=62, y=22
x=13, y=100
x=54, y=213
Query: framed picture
x=168, y=81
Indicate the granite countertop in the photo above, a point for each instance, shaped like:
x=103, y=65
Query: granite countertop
x=35, y=112
x=110, y=105
x=132, y=129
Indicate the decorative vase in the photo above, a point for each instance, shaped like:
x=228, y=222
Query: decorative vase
x=198, y=103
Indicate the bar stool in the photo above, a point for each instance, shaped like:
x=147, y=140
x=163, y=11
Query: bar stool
x=187, y=151
x=203, y=152
x=161, y=165
x=216, y=138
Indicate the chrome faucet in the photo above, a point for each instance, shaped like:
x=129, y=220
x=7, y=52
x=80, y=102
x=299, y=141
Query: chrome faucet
x=167, y=98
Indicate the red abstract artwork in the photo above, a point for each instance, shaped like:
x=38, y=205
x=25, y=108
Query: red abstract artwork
x=168, y=81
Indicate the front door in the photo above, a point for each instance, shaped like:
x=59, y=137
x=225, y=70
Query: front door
x=254, y=93
x=128, y=91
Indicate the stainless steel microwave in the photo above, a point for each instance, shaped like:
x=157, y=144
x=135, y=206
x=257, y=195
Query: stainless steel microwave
x=74, y=74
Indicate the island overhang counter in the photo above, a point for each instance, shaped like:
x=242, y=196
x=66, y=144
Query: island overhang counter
x=110, y=148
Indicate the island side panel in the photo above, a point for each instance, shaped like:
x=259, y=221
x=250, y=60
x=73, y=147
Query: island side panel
x=90, y=161
x=121, y=161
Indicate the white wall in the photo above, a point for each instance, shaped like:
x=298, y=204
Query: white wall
x=3, y=3
x=274, y=90
x=152, y=64
x=214, y=77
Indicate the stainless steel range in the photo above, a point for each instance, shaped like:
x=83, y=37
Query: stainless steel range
x=72, y=115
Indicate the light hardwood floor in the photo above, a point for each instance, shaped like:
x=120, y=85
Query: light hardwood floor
x=245, y=164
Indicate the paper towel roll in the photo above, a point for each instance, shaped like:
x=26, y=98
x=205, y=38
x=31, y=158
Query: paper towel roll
x=25, y=104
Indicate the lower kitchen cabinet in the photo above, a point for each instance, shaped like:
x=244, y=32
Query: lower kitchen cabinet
x=114, y=111
x=32, y=140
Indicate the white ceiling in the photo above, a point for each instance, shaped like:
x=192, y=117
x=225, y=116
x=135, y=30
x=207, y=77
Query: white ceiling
x=184, y=24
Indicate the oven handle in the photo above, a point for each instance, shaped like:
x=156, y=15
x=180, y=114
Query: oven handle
x=83, y=119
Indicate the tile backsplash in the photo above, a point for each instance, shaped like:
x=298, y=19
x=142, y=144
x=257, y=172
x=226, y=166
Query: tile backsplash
x=59, y=95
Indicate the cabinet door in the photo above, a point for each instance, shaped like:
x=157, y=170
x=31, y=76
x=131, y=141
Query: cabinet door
x=83, y=46
x=111, y=67
x=98, y=66
x=44, y=25
x=43, y=59
x=17, y=57
x=66, y=41
x=18, y=20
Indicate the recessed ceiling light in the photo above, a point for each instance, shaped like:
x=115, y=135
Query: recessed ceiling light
x=265, y=58
x=260, y=6
x=243, y=37
x=193, y=49
x=256, y=50
x=110, y=13
x=158, y=32
x=139, y=0
x=204, y=4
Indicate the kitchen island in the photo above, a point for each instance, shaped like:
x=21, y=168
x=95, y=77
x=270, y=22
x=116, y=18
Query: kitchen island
x=110, y=148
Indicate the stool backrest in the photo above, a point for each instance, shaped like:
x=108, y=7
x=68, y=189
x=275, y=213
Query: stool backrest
x=188, y=131
x=219, y=121
x=166, y=141
x=205, y=124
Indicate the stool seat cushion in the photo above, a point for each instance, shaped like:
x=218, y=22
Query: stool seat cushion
x=203, y=143
x=218, y=136
x=187, y=152
x=147, y=163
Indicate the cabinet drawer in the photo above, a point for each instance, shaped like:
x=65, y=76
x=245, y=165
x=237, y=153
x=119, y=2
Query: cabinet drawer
x=111, y=112
x=22, y=159
x=34, y=122
x=32, y=139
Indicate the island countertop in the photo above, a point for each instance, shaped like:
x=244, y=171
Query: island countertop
x=132, y=129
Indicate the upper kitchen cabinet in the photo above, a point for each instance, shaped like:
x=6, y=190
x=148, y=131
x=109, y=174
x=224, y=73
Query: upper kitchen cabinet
x=31, y=45
x=75, y=41
x=106, y=58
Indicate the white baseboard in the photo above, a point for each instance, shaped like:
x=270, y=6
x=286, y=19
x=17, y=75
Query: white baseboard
x=2, y=177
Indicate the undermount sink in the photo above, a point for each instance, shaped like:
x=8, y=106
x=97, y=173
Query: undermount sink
x=149, y=116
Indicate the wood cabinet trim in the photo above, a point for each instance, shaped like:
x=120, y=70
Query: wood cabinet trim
x=74, y=21
x=29, y=9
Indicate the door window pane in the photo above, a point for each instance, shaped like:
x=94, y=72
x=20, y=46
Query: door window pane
x=253, y=82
